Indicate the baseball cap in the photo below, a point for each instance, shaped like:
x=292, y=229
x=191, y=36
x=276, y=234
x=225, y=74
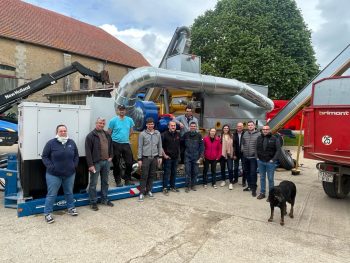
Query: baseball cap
x=121, y=107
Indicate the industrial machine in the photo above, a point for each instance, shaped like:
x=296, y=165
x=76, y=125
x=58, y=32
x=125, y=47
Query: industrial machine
x=327, y=132
x=167, y=90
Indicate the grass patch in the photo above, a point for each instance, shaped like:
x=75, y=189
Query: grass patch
x=293, y=141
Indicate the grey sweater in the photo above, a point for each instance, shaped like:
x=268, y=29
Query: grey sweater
x=248, y=144
x=150, y=144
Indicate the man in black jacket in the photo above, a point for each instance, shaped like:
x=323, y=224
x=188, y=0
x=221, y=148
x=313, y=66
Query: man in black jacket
x=171, y=151
x=267, y=149
x=99, y=153
x=238, y=152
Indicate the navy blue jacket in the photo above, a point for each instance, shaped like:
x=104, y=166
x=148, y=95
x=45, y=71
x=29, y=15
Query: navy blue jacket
x=59, y=159
x=194, y=146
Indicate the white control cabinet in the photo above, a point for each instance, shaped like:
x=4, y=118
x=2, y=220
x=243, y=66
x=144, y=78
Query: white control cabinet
x=38, y=121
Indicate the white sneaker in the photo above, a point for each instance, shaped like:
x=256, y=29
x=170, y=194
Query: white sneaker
x=205, y=186
x=150, y=195
x=49, y=219
x=72, y=211
x=215, y=187
x=230, y=186
x=223, y=183
x=141, y=198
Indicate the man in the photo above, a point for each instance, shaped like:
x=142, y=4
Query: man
x=99, y=153
x=193, y=151
x=249, y=153
x=149, y=152
x=171, y=151
x=120, y=127
x=267, y=150
x=184, y=122
x=238, y=152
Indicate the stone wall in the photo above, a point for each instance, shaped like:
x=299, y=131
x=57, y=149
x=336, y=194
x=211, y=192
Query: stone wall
x=31, y=61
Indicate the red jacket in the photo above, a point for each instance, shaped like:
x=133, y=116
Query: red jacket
x=212, y=149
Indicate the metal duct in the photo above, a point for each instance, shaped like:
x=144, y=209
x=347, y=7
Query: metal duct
x=146, y=77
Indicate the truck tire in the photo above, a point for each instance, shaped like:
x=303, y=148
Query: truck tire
x=286, y=160
x=331, y=189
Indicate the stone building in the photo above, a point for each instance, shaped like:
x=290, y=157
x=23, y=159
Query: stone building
x=34, y=41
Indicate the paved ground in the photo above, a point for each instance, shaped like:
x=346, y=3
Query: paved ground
x=204, y=226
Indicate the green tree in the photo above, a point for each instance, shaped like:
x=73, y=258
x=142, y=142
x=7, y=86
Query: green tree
x=256, y=41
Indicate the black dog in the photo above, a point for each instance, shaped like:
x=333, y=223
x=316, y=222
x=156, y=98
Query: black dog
x=279, y=195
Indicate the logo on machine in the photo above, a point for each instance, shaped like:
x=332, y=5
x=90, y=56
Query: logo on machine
x=334, y=113
x=327, y=140
x=62, y=203
x=16, y=92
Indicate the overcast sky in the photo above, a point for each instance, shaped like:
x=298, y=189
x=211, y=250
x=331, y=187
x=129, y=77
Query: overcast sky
x=148, y=25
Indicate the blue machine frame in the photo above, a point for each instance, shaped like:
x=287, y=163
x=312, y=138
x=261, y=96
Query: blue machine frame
x=27, y=206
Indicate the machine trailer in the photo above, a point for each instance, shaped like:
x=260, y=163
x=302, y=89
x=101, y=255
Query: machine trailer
x=327, y=133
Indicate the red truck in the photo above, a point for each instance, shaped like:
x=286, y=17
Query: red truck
x=327, y=133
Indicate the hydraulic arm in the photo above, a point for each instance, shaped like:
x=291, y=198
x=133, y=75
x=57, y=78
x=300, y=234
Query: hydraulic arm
x=12, y=97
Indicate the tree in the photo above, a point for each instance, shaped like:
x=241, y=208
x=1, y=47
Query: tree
x=256, y=41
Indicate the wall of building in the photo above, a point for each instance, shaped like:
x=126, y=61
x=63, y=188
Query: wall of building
x=31, y=61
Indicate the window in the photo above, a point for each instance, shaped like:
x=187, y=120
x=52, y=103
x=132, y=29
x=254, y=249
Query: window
x=6, y=67
x=84, y=84
x=8, y=81
x=7, y=84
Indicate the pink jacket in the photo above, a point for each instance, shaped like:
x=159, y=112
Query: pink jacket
x=212, y=150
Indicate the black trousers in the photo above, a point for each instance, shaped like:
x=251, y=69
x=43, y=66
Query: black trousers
x=212, y=164
x=236, y=169
x=148, y=169
x=122, y=150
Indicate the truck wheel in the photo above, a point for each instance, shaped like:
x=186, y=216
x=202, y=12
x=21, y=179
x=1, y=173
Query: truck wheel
x=286, y=160
x=331, y=189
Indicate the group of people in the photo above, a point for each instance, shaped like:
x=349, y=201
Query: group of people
x=60, y=157
x=252, y=148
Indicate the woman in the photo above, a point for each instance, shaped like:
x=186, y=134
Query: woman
x=60, y=156
x=227, y=155
x=212, y=153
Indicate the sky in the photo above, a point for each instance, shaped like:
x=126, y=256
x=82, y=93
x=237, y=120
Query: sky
x=148, y=25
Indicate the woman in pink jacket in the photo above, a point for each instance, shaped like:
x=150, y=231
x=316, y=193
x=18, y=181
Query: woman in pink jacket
x=212, y=153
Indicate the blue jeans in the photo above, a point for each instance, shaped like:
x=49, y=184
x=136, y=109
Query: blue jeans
x=266, y=168
x=229, y=163
x=102, y=169
x=53, y=185
x=191, y=172
x=250, y=165
x=170, y=167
